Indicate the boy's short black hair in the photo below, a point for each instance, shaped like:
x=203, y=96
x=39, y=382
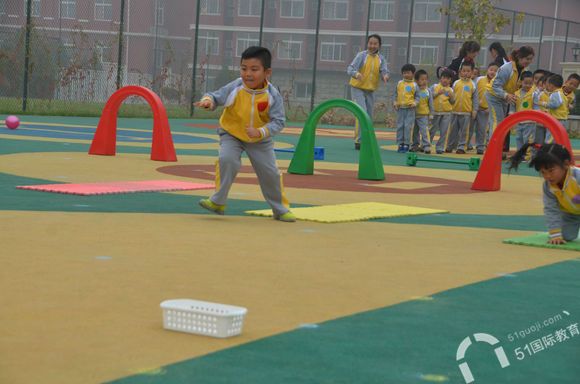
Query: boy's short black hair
x=556, y=80
x=420, y=73
x=447, y=73
x=492, y=64
x=543, y=79
x=527, y=74
x=467, y=63
x=542, y=71
x=574, y=76
x=408, y=68
x=260, y=53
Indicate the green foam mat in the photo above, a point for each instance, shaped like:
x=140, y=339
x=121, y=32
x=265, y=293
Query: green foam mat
x=541, y=240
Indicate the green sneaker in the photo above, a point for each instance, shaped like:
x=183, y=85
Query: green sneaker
x=211, y=206
x=287, y=217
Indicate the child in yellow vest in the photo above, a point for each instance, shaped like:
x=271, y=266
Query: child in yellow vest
x=526, y=101
x=569, y=88
x=557, y=104
x=560, y=190
x=443, y=99
x=480, y=122
x=542, y=97
x=421, y=139
x=365, y=71
x=406, y=98
x=253, y=114
x=464, y=109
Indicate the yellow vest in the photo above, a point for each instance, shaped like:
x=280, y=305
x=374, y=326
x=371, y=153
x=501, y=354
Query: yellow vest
x=483, y=85
x=406, y=93
x=423, y=106
x=512, y=85
x=246, y=107
x=543, y=98
x=525, y=100
x=464, y=90
x=560, y=113
x=566, y=194
x=370, y=72
x=441, y=103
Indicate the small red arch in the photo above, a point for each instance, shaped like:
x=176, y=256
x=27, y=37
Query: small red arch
x=489, y=175
x=105, y=139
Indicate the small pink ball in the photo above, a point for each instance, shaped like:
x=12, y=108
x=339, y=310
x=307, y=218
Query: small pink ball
x=12, y=122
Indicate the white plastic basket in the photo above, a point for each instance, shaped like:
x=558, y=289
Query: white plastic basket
x=203, y=318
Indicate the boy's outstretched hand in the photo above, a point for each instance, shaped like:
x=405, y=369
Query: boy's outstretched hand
x=253, y=133
x=204, y=103
x=557, y=241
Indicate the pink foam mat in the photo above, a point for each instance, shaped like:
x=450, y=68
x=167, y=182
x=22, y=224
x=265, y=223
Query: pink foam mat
x=113, y=187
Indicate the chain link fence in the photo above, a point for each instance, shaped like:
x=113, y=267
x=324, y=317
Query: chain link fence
x=67, y=56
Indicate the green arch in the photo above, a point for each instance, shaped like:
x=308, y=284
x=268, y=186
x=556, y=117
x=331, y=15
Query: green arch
x=370, y=166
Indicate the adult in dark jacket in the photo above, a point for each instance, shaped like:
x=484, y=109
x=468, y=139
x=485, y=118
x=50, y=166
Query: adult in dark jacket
x=468, y=52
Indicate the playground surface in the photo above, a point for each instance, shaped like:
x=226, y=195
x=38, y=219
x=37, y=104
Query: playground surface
x=385, y=300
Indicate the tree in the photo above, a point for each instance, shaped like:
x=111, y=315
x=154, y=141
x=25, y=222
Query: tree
x=475, y=19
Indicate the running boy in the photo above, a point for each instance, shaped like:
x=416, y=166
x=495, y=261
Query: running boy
x=253, y=114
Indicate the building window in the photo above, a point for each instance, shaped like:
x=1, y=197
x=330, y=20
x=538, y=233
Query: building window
x=244, y=41
x=335, y=10
x=531, y=27
x=427, y=10
x=104, y=10
x=292, y=9
x=160, y=15
x=2, y=7
x=34, y=7
x=290, y=49
x=423, y=54
x=382, y=10
x=332, y=50
x=209, y=43
x=68, y=9
x=386, y=52
x=302, y=90
x=249, y=7
x=210, y=7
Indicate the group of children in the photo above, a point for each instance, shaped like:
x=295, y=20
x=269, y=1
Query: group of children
x=459, y=109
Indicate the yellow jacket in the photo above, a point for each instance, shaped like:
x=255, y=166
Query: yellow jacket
x=483, y=85
x=558, y=105
x=442, y=103
x=372, y=67
x=525, y=100
x=505, y=81
x=406, y=94
x=466, y=98
x=425, y=106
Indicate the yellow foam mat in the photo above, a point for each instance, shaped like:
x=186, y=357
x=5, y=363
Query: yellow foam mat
x=341, y=213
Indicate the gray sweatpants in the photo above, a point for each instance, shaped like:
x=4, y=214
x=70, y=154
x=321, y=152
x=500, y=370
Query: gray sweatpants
x=459, y=131
x=480, y=127
x=366, y=100
x=549, y=138
x=405, y=123
x=440, y=124
x=525, y=132
x=261, y=155
x=421, y=132
x=570, y=226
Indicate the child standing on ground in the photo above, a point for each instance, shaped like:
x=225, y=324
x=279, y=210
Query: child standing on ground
x=557, y=104
x=526, y=101
x=365, y=70
x=422, y=114
x=480, y=123
x=253, y=114
x=406, y=99
x=443, y=99
x=562, y=214
x=464, y=109
x=569, y=88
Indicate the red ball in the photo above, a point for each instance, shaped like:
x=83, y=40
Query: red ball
x=12, y=122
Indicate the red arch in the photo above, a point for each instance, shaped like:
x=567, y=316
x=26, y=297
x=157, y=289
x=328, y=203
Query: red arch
x=105, y=139
x=489, y=175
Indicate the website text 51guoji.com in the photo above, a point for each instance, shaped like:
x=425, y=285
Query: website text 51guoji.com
x=537, y=326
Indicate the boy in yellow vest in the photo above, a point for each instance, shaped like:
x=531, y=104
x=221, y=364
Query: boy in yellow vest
x=527, y=101
x=253, y=114
x=421, y=138
x=480, y=122
x=406, y=98
x=464, y=109
x=569, y=88
x=443, y=99
x=365, y=70
x=557, y=104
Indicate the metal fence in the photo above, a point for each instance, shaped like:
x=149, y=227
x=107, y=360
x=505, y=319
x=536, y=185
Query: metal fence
x=61, y=56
